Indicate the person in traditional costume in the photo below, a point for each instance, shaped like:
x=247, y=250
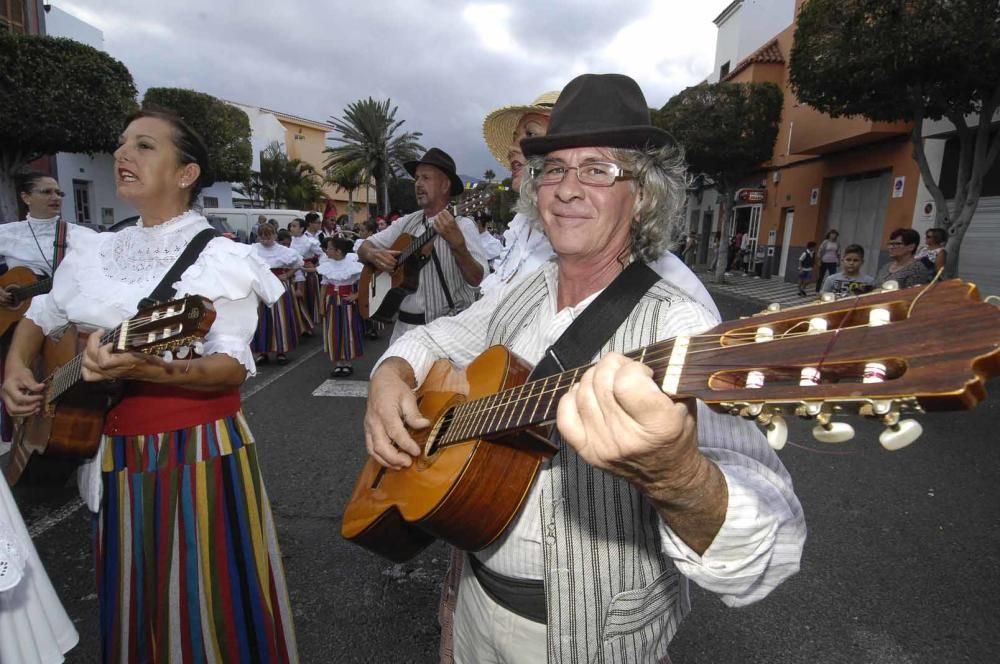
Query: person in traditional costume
x=342, y=327
x=277, y=329
x=188, y=563
x=311, y=251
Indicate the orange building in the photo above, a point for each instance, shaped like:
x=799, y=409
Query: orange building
x=848, y=174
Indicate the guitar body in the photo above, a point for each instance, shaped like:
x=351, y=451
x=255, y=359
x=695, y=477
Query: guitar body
x=72, y=427
x=465, y=493
x=381, y=293
x=16, y=277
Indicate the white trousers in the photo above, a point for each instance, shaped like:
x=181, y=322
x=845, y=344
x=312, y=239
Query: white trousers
x=487, y=633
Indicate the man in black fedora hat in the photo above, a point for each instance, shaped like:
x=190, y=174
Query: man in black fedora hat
x=645, y=493
x=456, y=263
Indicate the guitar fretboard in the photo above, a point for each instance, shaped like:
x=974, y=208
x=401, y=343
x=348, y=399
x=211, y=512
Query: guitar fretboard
x=67, y=376
x=534, y=403
x=415, y=246
x=41, y=287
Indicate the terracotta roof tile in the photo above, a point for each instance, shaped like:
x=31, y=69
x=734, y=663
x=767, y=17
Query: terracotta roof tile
x=769, y=53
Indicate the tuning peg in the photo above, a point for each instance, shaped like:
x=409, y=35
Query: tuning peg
x=899, y=435
x=198, y=347
x=833, y=432
x=167, y=356
x=182, y=352
x=777, y=432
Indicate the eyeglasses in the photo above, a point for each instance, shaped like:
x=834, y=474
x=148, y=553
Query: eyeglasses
x=48, y=192
x=593, y=173
x=895, y=243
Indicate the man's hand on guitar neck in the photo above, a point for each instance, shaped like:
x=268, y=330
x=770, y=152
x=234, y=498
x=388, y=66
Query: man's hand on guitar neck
x=392, y=407
x=446, y=226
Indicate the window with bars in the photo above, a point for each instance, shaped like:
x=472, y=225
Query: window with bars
x=12, y=16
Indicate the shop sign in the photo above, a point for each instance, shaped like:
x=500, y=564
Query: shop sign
x=751, y=196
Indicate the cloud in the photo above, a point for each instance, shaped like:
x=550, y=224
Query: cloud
x=446, y=64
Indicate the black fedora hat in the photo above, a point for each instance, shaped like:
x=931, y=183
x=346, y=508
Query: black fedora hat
x=442, y=160
x=598, y=110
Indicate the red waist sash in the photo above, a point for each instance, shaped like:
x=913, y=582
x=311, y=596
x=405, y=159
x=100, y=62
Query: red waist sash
x=279, y=271
x=342, y=291
x=150, y=408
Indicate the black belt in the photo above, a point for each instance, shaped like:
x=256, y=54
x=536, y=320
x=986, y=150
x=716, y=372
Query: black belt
x=525, y=597
x=412, y=319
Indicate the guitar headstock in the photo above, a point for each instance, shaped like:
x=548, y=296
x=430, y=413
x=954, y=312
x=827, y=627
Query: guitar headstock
x=166, y=327
x=878, y=355
x=477, y=199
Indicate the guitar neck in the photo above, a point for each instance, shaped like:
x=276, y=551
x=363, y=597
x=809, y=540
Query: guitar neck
x=70, y=374
x=416, y=245
x=534, y=403
x=40, y=287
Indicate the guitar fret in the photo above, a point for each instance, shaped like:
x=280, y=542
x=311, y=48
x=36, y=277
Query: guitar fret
x=509, y=407
x=525, y=398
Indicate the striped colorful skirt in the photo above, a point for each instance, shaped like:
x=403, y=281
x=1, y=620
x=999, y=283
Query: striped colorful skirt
x=277, y=331
x=188, y=564
x=342, y=326
x=304, y=324
x=314, y=298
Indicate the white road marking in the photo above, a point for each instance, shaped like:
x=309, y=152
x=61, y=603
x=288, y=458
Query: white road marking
x=50, y=521
x=257, y=387
x=342, y=388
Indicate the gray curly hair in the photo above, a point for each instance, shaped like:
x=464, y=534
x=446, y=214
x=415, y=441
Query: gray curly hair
x=659, y=175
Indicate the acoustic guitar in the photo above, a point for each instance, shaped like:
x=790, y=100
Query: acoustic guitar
x=71, y=419
x=881, y=356
x=380, y=294
x=22, y=284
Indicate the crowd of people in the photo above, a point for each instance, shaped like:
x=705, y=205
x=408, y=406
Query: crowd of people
x=645, y=495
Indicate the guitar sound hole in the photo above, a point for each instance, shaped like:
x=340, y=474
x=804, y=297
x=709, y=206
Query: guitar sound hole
x=438, y=435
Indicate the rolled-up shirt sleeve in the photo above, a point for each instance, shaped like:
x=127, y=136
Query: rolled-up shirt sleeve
x=760, y=542
x=46, y=314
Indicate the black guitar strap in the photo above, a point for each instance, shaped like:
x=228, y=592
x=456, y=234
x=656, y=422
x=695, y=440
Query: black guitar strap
x=165, y=290
x=444, y=284
x=590, y=331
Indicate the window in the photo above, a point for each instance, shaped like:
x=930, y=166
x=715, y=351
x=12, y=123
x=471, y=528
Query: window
x=724, y=70
x=12, y=16
x=210, y=202
x=107, y=216
x=81, y=199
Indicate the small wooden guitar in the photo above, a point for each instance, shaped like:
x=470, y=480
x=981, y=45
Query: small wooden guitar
x=72, y=416
x=879, y=355
x=22, y=284
x=381, y=293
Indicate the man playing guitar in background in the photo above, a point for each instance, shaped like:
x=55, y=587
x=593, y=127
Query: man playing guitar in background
x=460, y=257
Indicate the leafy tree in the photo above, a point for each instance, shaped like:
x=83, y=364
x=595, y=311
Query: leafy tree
x=290, y=182
x=349, y=177
x=225, y=129
x=489, y=175
x=910, y=60
x=252, y=188
x=368, y=133
x=728, y=131
x=56, y=95
x=401, y=194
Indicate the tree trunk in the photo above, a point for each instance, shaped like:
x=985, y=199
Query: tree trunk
x=8, y=198
x=721, y=250
x=350, y=207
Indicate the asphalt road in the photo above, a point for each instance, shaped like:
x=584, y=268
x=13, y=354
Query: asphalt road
x=902, y=564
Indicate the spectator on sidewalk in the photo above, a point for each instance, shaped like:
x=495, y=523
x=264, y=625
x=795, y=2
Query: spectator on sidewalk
x=903, y=268
x=933, y=255
x=849, y=281
x=829, y=256
x=806, y=262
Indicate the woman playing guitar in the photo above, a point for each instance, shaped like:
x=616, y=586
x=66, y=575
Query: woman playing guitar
x=188, y=565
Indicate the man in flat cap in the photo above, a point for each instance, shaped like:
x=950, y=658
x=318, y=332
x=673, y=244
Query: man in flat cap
x=644, y=493
x=456, y=263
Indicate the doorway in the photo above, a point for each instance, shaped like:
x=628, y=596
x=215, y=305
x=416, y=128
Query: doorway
x=786, y=241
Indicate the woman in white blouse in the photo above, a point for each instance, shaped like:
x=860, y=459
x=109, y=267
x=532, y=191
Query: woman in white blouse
x=188, y=564
x=277, y=328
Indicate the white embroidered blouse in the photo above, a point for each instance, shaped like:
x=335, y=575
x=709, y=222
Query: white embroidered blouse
x=340, y=273
x=29, y=243
x=278, y=256
x=104, y=275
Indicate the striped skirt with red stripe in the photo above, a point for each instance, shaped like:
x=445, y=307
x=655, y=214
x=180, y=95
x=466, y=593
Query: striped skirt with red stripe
x=277, y=330
x=314, y=298
x=188, y=564
x=342, y=326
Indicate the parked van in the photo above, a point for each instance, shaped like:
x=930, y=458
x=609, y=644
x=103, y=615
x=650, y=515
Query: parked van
x=244, y=220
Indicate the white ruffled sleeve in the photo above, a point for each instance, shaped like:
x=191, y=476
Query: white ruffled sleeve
x=236, y=280
x=12, y=557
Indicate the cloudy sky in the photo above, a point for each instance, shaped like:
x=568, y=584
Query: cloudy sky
x=444, y=63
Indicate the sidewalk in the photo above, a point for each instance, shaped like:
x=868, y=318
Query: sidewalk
x=763, y=291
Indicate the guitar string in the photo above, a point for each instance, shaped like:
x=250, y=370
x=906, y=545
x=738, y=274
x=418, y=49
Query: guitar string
x=469, y=411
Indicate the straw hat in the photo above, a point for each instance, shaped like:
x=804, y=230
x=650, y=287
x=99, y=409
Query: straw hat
x=499, y=126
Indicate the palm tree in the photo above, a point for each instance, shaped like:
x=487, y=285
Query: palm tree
x=489, y=175
x=349, y=177
x=370, y=143
x=290, y=182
